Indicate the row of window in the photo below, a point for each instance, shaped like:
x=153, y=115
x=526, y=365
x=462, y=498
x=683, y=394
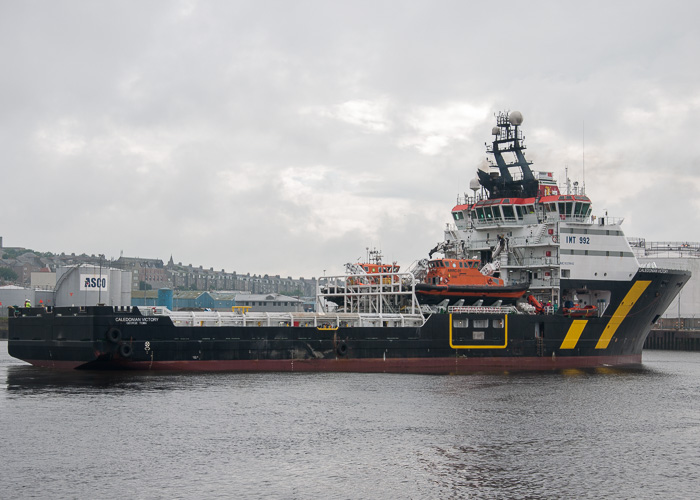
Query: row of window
x=509, y=212
x=446, y=263
x=478, y=323
x=518, y=212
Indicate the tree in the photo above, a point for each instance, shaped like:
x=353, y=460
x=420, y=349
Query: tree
x=7, y=274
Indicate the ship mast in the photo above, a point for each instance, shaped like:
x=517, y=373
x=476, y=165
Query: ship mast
x=508, y=138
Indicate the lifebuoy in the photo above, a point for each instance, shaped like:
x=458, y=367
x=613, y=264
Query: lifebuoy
x=125, y=350
x=114, y=335
x=342, y=349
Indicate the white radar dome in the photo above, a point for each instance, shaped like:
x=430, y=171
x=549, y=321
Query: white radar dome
x=484, y=165
x=474, y=184
x=516, y=118
x=495, y=131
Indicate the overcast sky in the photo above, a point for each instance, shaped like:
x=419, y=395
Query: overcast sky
x=285, y=137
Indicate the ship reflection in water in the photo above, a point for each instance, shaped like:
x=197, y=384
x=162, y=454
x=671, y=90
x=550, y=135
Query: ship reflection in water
x=591, y=433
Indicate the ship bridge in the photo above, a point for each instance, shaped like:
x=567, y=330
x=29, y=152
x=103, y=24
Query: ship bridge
x=520, y=211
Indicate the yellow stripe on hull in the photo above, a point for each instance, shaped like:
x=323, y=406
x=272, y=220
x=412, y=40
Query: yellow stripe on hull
x=622, y=311
x=574, y=333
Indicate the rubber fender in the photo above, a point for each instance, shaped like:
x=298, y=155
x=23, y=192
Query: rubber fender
x=125, y=350
x=342, y=349
x=114, y=335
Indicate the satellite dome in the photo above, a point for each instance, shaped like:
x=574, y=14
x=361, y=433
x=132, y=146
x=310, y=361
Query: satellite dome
x=516, y=118
x=484, y=165
x=495, y=131
x=474, y=184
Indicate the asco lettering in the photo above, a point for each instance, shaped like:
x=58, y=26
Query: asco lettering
x=95, y=283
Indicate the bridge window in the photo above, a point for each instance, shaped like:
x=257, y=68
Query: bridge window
x=518, y=211
x=565, y=209
x=508, y=212
x=488, y=213
x=497, y=213
x=480, y=213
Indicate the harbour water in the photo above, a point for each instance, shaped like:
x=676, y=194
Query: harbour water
x=615, y=433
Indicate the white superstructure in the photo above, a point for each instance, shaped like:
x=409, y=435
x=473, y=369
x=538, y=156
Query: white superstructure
x=551, y=240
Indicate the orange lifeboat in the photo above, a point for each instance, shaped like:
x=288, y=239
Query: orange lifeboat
x=457, y=279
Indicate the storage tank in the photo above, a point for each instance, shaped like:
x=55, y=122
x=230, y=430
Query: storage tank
x=165, y=298
x=88, y=285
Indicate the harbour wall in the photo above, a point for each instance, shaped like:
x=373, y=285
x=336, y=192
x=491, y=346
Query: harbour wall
x=675, y=334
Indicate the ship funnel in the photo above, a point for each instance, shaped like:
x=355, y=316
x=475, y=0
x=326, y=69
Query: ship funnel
x=515, y=118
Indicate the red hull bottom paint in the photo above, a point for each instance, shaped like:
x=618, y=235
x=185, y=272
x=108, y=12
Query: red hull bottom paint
x=403, y=365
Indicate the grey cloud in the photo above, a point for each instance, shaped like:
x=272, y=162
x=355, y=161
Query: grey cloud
x=167, y=128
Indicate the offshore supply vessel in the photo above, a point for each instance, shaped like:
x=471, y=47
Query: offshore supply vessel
x=565, y=291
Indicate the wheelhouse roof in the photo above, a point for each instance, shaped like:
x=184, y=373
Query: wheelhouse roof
x=525, y=201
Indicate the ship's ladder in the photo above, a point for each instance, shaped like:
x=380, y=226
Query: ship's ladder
x=540, y=233
x=540, y=346
x=515, y=251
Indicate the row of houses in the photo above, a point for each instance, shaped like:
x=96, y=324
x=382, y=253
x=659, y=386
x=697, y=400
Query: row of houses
x=152, y=274
x=86, y=285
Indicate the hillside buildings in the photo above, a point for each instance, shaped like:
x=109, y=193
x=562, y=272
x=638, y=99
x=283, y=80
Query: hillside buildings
x=146, y=274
